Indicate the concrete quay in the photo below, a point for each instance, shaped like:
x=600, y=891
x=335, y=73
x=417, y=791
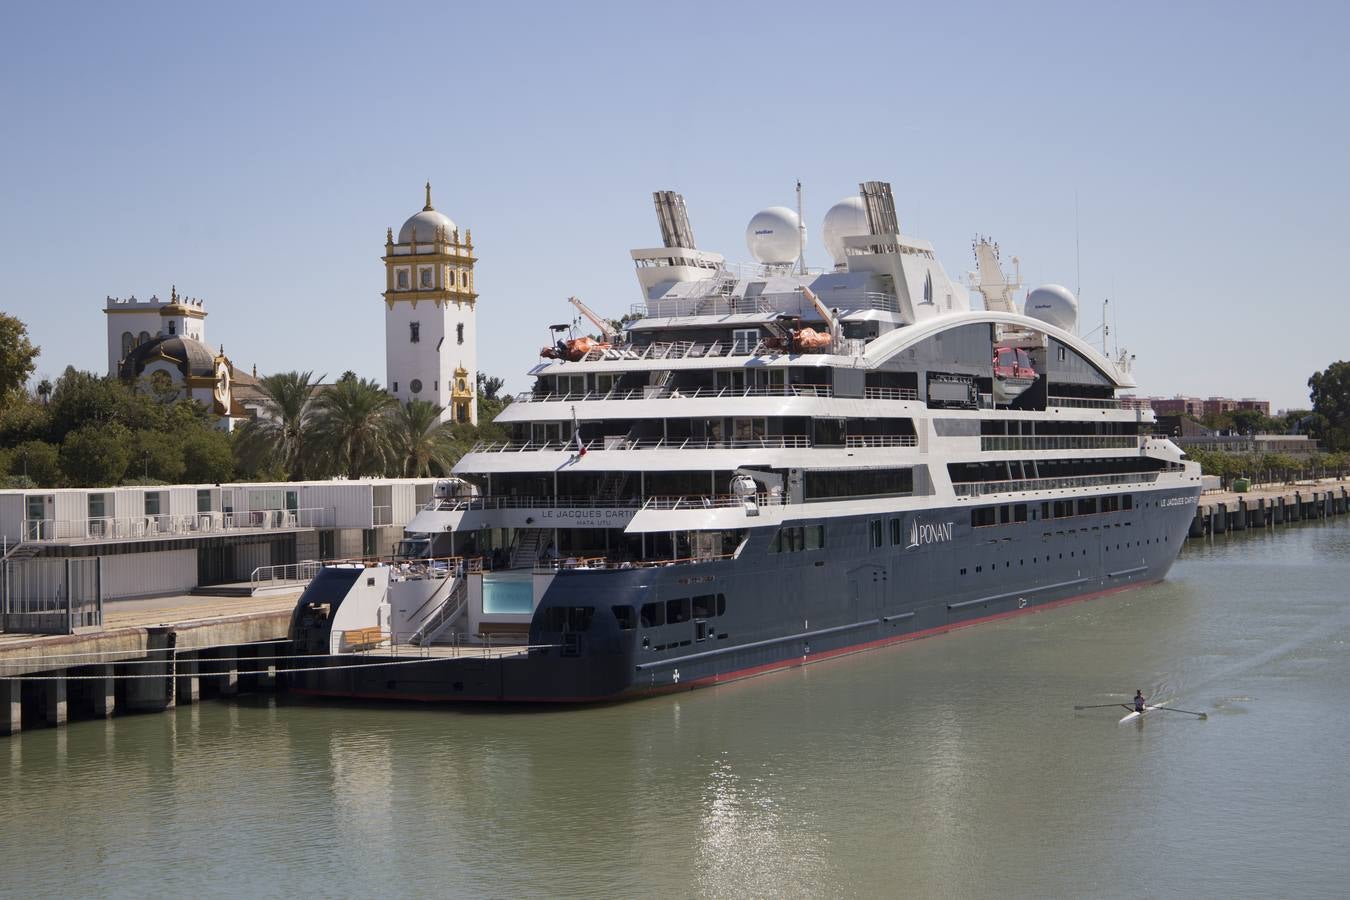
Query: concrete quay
x=1267, y=506
x=152, y=655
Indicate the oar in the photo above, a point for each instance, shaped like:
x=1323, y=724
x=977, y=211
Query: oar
x=1104, y=705
x=1186, y=711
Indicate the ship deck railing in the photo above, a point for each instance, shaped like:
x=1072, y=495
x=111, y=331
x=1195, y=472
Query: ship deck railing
x=774, y=442
x=1061, y=442
x=419, y=569
x=980, y=488
x=604, y=563
x=457, y=504
x=1101, y=403
x=712, y=501
x=768, y=442
x=654, y=392
x=715, y=303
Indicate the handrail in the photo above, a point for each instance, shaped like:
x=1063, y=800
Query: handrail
x=304, y=571
x=169, y=524
x=591, y=563
x=1100, y=403
x=775, y=442
x=991, y=442
x=712, y=501
x=654, y=392
x=890, y=393
x=979, y=488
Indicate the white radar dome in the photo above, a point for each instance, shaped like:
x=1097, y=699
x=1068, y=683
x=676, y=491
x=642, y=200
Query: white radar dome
x=1055, y=305
x=772, y=236
x=847, y=218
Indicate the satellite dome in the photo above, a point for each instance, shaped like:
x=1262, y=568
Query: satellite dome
x=425, y=223
x=847, y=218
x=1053, y=304
x=772, y=236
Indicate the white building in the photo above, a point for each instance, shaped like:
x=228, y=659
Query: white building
x=165, y=341
x=430, y=336
x=170, y=539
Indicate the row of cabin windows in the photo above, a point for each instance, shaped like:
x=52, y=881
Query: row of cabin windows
x=796, y=538
x=1036, y=560
x=1016, y=513
x=682, y=609
x=415, y=332
x=826, y=484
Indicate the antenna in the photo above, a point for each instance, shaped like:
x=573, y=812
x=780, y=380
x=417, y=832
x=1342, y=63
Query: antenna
x=801, y=233
x=1077, y=254
x=1106, y=329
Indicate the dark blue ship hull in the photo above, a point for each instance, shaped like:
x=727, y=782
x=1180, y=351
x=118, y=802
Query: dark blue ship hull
x=595, y=636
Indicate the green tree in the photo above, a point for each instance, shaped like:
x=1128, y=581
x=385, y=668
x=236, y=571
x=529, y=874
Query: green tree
x=39, y=461
x=422, y=443
x=353, y=428
x=281, y=437
x=17, y=356
x=23, y=419
x=208, y=457
x=83, y=399
x=156, y=455
x=1330, y=393
x=96, y=455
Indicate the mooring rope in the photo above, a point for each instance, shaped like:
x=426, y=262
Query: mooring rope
x=139, y=652
x=269, y=671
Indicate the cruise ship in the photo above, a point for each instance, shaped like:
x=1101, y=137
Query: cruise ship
x=766, y=466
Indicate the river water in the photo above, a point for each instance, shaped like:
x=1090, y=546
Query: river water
x=949, y=767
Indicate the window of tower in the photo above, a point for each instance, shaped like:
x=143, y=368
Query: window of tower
x=172, y=327
x=128, y=342
x=143, y=337
x=401, y=279
x=414, y=331
x=415, y=385
x=464, y=279
x=459, y=332
x=424, y=276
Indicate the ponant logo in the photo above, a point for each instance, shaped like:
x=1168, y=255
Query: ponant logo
x=921, y=533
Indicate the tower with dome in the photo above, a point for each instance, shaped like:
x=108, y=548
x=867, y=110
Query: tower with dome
x=429, y=298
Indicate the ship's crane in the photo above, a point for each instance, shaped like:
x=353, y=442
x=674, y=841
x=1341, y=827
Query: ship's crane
x=606, y=329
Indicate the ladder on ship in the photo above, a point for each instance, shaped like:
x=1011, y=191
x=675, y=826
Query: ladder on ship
x=611, y=486
x=529, y=543
x=449, y=610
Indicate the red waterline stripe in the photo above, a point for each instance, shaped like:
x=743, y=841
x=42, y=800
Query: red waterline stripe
x=738, y=674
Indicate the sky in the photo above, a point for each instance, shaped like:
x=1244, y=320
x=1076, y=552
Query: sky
x=1186, y=161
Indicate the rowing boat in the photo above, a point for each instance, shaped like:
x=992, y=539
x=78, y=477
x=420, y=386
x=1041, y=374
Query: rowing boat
x=1134, y=716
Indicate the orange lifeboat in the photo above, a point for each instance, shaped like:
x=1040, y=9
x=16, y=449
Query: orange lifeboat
x=577, y=348
x=808, y=340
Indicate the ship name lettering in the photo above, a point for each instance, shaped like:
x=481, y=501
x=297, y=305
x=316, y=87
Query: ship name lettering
x=921, y=533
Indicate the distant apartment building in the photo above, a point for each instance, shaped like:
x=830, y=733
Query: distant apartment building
x=1197, y=407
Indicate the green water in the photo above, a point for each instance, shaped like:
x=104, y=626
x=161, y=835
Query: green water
x=949, y=767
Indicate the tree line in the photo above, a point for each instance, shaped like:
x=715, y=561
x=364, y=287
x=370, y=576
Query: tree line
x=91, y=430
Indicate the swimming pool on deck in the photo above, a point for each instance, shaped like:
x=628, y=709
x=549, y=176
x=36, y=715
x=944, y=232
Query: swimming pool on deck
x=507, y=593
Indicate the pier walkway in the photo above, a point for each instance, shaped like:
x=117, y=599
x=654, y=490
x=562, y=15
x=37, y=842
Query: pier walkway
x=1269, y=505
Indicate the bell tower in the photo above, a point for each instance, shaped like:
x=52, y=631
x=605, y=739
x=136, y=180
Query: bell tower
x=429, y=333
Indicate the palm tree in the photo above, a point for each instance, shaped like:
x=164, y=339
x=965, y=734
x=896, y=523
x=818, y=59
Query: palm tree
x=421, y=440
x=353, y=427
x=283, y=433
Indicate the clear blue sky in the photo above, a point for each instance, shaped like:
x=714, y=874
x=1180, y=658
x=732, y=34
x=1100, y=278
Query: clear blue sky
x=253, y=154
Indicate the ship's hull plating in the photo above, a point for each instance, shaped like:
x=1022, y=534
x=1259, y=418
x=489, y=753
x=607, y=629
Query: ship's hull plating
x=932, y=573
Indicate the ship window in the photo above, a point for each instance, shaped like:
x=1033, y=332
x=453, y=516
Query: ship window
x=1020, y=512
x=1005, y=514
x=722, y=606
x=677, y=610
x=705, y=606
x=624, y=616
x=982, y=516
x=875, y=528
x=743, y=340
x=895, y=531
x=1087, y=506
x=653, y=615
x=1128, y=502
x=814, y=537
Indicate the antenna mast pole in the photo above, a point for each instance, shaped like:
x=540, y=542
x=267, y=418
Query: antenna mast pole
x=801, y=233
